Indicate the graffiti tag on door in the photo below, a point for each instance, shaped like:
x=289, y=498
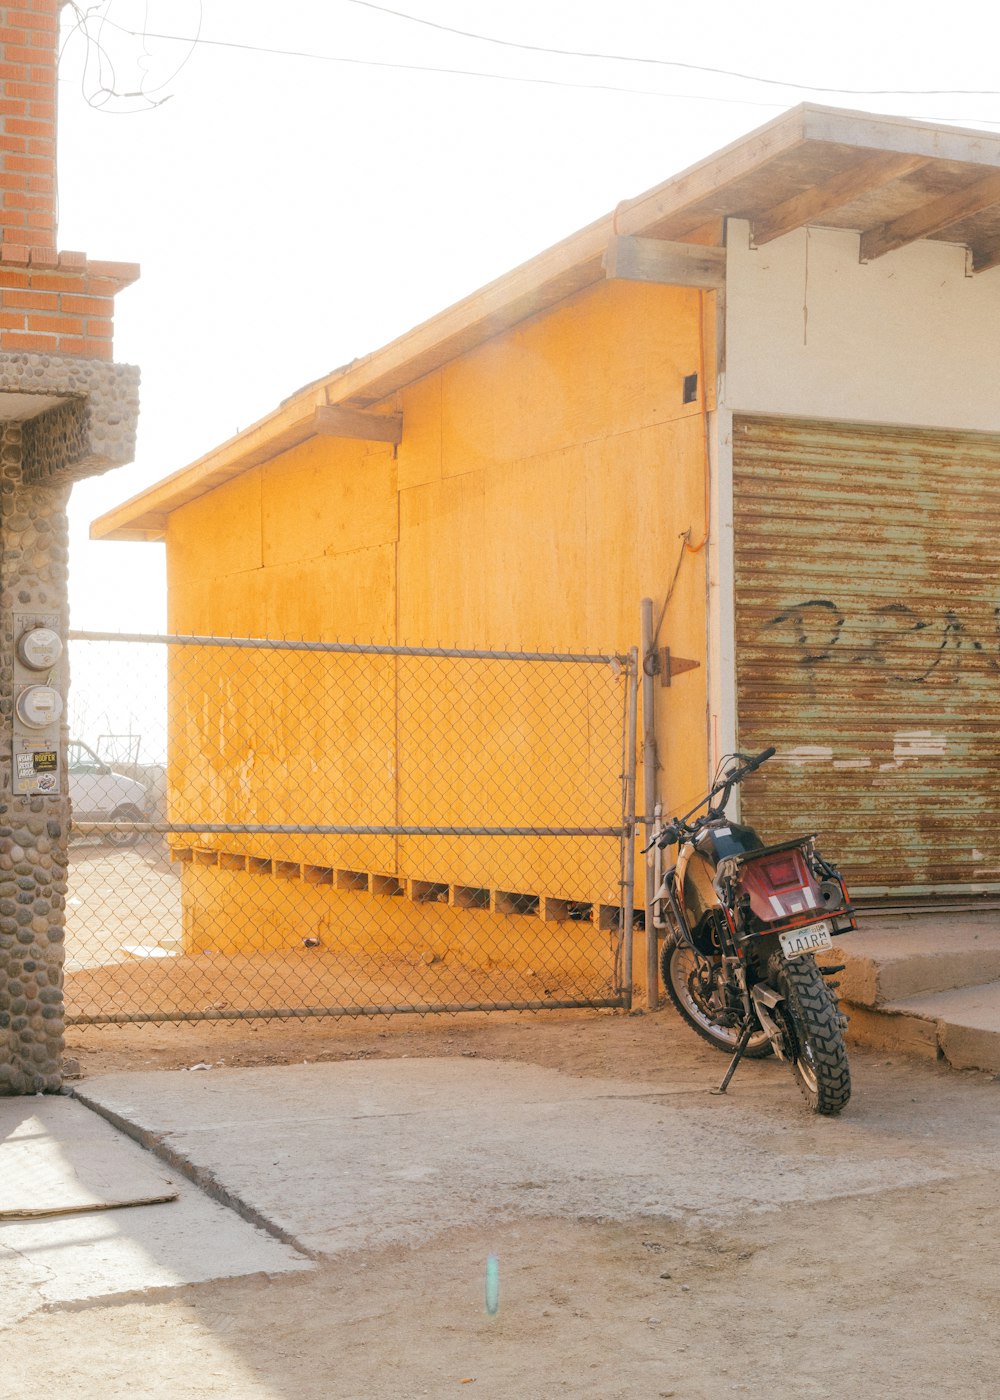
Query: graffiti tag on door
x=906, y=646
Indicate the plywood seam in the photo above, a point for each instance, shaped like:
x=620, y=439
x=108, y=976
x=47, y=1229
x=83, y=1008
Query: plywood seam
x=565, y=449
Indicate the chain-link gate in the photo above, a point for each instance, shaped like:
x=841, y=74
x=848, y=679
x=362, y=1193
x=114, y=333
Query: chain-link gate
x=277, y=828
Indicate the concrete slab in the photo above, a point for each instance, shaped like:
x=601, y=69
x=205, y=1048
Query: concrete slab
x=351, y=1155
x=79, y=1257
x=58, y=1158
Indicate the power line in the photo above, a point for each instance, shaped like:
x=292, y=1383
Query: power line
x=199, y=41
x=184, y=61
x=102, y=92
x=675, y=63
x=428, y=68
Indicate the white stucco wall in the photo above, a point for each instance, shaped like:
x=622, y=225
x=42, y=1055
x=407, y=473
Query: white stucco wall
x=909, y=339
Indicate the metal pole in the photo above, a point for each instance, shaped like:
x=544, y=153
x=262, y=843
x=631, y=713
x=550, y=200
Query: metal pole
x=294, y=1013
x=649, y=766
x=304, y=829
x=341, y=648
x=628, y=900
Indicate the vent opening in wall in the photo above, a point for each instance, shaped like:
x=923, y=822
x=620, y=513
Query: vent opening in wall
x=690, y=393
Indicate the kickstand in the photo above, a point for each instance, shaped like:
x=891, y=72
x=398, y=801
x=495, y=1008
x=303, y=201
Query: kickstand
x=741, y=1046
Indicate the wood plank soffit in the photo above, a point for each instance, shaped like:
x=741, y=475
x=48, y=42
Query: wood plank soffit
x=681, y=199
x=930, y=218
x=840, y=127
x=809, y=207
x=151, y=534
x=339, y=421
x=674, y=264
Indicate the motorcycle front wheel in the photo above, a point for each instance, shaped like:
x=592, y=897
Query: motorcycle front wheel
x=689, y=983
x=813, y=1031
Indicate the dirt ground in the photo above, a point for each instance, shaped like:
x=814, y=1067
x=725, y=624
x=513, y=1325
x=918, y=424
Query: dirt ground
x=124, y=952
x=889, y=1292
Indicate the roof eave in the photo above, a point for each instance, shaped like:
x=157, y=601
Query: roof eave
x=675, y=209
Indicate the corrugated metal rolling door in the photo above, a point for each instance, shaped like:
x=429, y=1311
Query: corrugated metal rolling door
x=868, y=645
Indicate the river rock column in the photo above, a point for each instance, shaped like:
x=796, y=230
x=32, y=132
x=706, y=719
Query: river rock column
x=33, y=830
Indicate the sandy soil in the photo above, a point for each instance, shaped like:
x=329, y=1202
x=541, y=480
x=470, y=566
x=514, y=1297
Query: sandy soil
x=890, y=1293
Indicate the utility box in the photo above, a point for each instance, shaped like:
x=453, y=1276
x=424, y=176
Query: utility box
x=39, y=687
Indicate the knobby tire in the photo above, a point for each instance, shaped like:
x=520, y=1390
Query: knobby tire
x=814, y=1026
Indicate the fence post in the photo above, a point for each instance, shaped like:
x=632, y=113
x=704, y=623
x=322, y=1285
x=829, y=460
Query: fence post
x=628, y=892
x=649, y=766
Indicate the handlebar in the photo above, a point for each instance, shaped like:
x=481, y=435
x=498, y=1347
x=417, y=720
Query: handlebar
x=680, y=828
x=752, y=764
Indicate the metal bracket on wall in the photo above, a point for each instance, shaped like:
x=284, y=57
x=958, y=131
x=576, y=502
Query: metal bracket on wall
x=669, y=666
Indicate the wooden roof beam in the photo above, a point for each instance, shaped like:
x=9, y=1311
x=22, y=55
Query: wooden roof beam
x=674, y=264
x=985, y=258
x=337, y=420
x=865, y=175
x=930, y=218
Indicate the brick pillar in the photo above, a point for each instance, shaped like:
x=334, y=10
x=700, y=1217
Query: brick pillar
x=29, y=37
x=66, y=412
x=50, y=302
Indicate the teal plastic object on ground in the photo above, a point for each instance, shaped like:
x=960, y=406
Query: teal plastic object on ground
x=492, y=1284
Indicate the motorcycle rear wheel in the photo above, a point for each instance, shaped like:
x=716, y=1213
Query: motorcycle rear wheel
x=813, y=1030
x=679, y=966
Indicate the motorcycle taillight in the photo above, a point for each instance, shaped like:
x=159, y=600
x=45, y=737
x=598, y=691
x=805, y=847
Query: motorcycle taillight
x=779, y=885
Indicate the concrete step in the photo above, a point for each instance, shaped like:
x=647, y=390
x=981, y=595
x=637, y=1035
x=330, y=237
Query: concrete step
x=892, y=958
x=925, y=984
x=960, y=1026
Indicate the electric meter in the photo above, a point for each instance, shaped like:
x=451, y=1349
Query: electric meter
x=39, y=648
x=38, y=706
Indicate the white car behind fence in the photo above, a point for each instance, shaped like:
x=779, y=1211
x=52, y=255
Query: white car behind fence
x=99, y=794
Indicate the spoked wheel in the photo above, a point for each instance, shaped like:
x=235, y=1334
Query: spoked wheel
x=693, y=988
x=813, y=1030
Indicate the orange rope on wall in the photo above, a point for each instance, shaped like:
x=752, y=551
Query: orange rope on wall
x=695, y=548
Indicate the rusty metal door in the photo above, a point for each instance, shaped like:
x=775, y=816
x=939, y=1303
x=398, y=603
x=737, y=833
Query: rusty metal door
x=868, y=645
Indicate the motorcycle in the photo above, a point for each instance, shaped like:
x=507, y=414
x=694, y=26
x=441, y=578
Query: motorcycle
x=744, y=923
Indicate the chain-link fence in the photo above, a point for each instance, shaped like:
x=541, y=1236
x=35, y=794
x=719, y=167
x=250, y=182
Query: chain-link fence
x=274, y=828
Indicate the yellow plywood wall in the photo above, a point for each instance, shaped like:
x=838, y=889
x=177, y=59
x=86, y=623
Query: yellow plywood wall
x=542, y=487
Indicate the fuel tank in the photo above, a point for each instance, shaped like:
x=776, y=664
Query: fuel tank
x=697, y=862
x=727, y=839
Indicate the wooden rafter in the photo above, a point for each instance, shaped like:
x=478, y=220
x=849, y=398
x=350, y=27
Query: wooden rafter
x=930, y=218
x=859, y=179
x=985, y=258
x=336, y=420
x=674, y=264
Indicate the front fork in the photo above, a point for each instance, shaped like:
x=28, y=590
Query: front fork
x=765, y=999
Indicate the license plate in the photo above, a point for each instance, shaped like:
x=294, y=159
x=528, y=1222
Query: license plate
x=806, y=940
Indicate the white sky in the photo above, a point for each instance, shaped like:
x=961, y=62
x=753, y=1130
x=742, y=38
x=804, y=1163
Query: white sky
x=291, y=214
